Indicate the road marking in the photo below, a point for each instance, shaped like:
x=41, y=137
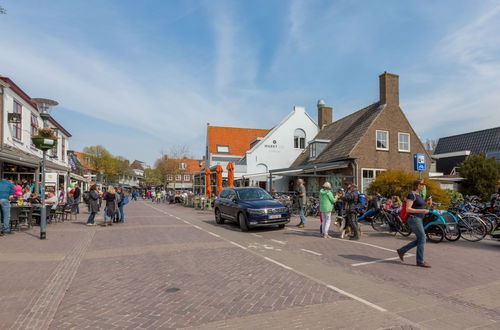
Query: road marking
x=198, y=227
x=240, y=246
x=257, y=235
x=213, y=234
x=309, y=251
x=278, y=263
x=373, y=262
x=356, y=242
x=379, y=260
x=186, y=222
x=361, y=300
x=279, y=242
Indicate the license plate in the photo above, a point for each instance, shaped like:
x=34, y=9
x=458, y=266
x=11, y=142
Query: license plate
x=275, y=216
x=452, y=227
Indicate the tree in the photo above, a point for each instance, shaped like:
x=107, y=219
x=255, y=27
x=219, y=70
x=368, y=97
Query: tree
x=109, y=166
x=481, y=175
x=399, y=183
x=151, y=177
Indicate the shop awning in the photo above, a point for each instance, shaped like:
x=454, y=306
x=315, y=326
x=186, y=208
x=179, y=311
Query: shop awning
x=310, y=168
x=77, y=177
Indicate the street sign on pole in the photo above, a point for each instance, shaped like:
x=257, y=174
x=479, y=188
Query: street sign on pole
x=419, y=162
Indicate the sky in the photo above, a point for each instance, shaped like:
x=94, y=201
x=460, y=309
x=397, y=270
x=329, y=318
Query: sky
x=141, y=77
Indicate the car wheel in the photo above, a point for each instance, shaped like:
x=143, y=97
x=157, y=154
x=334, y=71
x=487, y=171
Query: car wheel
x=218, y=217
x=242, y=221
x=281, y=226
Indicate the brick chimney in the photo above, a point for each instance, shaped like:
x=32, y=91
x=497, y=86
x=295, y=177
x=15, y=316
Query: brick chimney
x=325, y=114
x=389, y=88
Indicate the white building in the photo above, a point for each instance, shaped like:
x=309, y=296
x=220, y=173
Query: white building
x=19, y=159
x=279, y=148
x=254, y=152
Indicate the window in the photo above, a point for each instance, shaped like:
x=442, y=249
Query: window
x=222, y=149
x=18, y=108
x=299, y=139
x=316, y=147
x=382, y=140
x=53, y=151
x=63, y=149
x=178, y=177
x=34, y=125
x=182, y=166
x=187, y=177
x=170, y=177
x=404, y=142
x=368, y=176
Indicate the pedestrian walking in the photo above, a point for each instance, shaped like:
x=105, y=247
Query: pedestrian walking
x=326, y=202
x=415, y=207
x=6, y=195
x=77, y=195
x=121, y=204
x=301, y=193
x=93, y=198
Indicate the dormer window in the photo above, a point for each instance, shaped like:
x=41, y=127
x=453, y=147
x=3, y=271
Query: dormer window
x=316, y=147
x=222, y=149
x=182, y=166
x=299, y=139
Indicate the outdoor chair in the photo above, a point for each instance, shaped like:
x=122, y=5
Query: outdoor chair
x=26, y=217
x=70, y=212
x=58, y=213
x=14, y=218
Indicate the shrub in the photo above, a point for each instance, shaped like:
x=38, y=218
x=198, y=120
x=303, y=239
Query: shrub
x=398, y=183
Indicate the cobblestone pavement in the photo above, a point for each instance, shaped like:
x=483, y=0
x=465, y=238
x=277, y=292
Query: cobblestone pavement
x=171, y=267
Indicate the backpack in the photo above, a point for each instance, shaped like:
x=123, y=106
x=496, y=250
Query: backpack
x=362, y=200
x=402, y=213
x=86, y=197
x=125, y=200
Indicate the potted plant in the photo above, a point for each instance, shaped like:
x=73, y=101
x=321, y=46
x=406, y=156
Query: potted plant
x=45, y=139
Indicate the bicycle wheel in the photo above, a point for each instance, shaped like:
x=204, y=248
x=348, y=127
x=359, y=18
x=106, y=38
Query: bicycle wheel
x=434, y=233
x=404, y=229
x=452, y=237
x=472, y=228
x=378, y=222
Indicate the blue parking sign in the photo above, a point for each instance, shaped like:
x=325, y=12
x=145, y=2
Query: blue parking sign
x=419, y=162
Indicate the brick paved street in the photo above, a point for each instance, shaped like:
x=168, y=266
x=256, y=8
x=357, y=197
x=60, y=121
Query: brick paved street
x=172, y=267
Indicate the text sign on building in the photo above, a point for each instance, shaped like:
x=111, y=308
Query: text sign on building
x=419, y=162
x=51, y=177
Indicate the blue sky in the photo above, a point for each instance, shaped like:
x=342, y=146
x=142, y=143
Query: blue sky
x=142, y=76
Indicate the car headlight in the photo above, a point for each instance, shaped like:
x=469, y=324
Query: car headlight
x=257, y=211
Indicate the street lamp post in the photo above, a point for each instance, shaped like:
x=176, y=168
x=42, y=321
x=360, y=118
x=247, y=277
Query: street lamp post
x=44, y=107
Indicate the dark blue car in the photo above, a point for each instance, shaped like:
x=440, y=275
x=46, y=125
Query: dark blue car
x=250, y=207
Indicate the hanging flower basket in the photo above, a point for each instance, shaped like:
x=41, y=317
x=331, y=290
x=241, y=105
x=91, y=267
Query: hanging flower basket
x=45, y=139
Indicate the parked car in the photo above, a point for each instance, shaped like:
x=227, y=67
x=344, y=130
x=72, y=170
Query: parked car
x=250, y=207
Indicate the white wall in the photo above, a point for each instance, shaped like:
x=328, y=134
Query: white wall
x=276, y=149
x=25, y=143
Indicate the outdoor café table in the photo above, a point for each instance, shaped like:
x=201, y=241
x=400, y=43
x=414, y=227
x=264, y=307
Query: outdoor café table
x=21, y=212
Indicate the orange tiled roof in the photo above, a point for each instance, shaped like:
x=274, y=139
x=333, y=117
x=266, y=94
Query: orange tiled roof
x=238, y=139
x=193, y=165
x=81, y=157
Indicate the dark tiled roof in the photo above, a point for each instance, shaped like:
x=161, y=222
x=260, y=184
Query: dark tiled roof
x=343, y=135
x=480, y=141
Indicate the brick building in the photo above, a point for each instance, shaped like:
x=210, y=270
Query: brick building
x=358, y=147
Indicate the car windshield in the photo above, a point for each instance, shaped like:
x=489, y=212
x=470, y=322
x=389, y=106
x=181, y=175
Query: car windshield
x=253, y=194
